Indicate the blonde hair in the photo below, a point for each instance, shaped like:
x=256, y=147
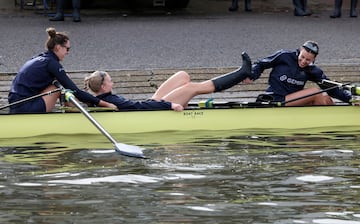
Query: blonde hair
x=94, y=81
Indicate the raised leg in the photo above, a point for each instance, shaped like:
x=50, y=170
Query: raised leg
x=230, y=79
x=177, y=80
x=184, y=93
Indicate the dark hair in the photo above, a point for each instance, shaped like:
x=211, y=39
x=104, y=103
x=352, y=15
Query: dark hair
x=311, y=46
x=55, y=38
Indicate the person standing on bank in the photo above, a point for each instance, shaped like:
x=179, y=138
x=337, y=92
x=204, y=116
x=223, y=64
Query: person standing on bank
x=301, y=8
x=37, y=75
x=290, y=72
x=337, y=9
x=59, y=16
x=235, y=6
x=175, y=93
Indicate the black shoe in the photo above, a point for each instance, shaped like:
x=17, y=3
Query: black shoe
x=233, y=8
x=353, y=13
x=302, y=13
x=76, y=19
x=57, y=17
x=335, y=15
x=76, y=15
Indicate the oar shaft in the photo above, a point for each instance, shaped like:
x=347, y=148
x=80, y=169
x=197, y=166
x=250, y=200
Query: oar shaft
x=31, y=98
x=309, y=95
x=355, y=90
x=97, y=125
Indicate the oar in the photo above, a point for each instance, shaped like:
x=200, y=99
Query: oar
x=208, y=104
x=308, y=95
x=355, y=90
x=31, y=98
x=124, y=149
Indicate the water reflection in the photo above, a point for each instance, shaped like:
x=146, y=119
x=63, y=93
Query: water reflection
x=239, y=177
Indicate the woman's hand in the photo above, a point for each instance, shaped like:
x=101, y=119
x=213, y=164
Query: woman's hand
x=106, y=104
x=177, y=107
x=247, y=81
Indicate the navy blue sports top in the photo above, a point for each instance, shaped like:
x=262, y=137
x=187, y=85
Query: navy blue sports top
x=287, y=77
x=126, y=104
x=39, y=73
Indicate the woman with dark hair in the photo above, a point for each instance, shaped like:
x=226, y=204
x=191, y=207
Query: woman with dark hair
x=290, y=70
x=37, y=75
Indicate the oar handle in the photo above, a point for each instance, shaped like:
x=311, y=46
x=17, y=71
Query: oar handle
x=31, y=98
x=355, y=90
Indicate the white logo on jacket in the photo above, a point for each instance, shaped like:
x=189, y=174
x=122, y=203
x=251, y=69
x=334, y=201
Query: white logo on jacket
x=291, y=80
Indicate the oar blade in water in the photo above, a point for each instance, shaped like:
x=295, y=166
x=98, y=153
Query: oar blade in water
x=129, y=150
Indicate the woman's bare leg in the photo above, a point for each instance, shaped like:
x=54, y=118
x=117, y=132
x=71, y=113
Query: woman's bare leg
x=179, y=89
x=318, y=99
x=50, y=100
x=183, y=94
x=175, y=81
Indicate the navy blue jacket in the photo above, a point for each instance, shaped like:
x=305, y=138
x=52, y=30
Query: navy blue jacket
x=126, y=104
x=38, y=73
x=287, y=77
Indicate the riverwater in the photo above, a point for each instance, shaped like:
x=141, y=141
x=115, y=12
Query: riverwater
x=247, y=176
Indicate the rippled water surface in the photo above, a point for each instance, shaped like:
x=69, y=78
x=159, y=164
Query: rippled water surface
x=247, y=176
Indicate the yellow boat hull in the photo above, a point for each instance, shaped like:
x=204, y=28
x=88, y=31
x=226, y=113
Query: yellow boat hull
x=330, y=118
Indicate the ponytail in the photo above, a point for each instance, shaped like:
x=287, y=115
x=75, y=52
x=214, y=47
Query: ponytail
x=55, y=38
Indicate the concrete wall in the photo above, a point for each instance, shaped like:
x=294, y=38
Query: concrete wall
x=7, y=4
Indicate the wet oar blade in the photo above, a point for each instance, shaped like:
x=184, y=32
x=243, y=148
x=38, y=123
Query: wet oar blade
x=129, y=150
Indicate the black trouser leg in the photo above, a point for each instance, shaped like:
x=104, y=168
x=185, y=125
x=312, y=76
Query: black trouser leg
x=337, y=9
x=234, y=6
x=247, y=5
x=300, y=8
x=59, y=16
x=232, y=78
x=298, y=11
x=353, y=12
x=304, y=8
x=76, y=10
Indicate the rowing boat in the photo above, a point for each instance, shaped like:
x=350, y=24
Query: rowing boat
x=329, y=118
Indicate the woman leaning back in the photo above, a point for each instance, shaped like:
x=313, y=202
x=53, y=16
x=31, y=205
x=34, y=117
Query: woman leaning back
x=37, y=75
x=174, y=93
x=290, y=70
